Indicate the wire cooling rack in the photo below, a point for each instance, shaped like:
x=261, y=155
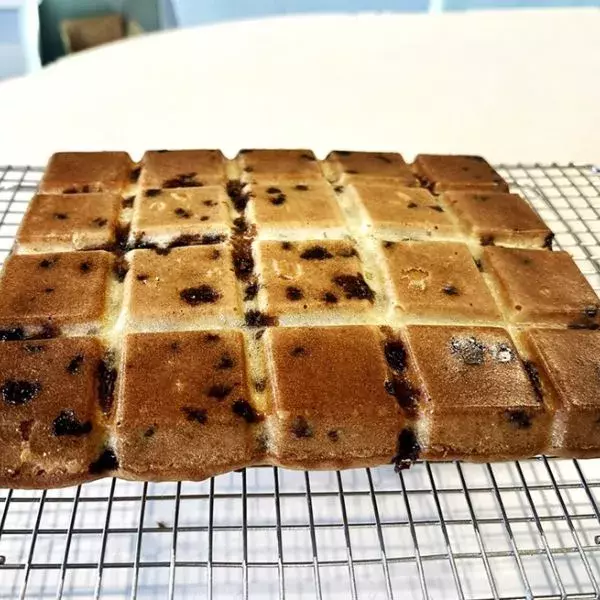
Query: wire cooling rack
x=442, y=530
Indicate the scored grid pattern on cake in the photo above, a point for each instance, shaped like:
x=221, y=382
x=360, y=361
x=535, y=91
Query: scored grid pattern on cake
x=553, y=566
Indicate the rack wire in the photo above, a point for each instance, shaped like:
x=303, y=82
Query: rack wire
x=441, y=530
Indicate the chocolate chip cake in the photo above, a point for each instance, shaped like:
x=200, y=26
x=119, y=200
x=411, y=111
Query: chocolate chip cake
x=191, y=314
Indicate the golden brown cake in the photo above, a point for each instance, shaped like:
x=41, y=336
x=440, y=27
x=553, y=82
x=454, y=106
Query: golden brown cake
x=441, y=172
x=190, y=314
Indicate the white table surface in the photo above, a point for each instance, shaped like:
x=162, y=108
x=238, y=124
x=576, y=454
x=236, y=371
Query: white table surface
x=512, y=85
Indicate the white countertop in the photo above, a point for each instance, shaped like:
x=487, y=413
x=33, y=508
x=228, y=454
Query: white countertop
x=511, y=85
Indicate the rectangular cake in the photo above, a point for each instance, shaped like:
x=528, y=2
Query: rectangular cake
x=191, y=314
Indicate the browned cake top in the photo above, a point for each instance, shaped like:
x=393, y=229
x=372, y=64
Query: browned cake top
x=349, y=166
x=184, y=211
x=52, y=290
x=438, y=280
x=400, y=212
x=182, y=380
x=541, y=287
x=72, y=172
x=295, y=206
x=70, y=222
x=183, y=286
x=50, y=397
x=265, y=166
x=181, y=168
x=572, y=361
x=496, y=217
x=470, y=367
x=330, y=371
x=311, y=277
x=443, y=172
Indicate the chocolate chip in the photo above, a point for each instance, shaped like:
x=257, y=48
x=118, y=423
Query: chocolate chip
x=17, y=392
x=548, y=241
x=68, y=424
x=389, y=244
x=195, y=414
x=33, y=348
x=251, y=291
x=407, y=450
x=249, y=169
x=450, y=290
x=316, y=253
x=85, y=267
x=61, y=216
x=107, y=461
x=175, y=346
x=338, y=189
x=212, y=337
x=255, y=318
x=518, y=418
x=534, y=377
x=293, y=293
x=99, y=221
x=70, y=190
x=203, y=294
x=487, y=240
x=225, y=362
x=301, y=187
x=74, y=367
x=286, y=246
x=219, y=391
x=48, y=290
x=240, y=225
x=330, y=298
x=134, y=174
x=298, y=351
x=215, y=254
x=107, y=375
x=242, y=408
x=120, y=268
x=333, y=435
x=395, y=355
x=260, y=385
x=235, y=191
x=412, y=205
x=152, y=192
x=437, y=208
x=347, y=252
x=209, y=202
x=301, y=428
x=150, y=431
x=469, y=350
x=258, y=335
x=182, y=213
x=25, y=429
x=182, y=180
x=48, y=263
x=142, y=277
x=204, y=218
x=273, y=190
x=479, y=264
x=243, y=261
x=405, y=394
x=590, y=311
x=354, y=286
x=122, y=236
x=278, y=200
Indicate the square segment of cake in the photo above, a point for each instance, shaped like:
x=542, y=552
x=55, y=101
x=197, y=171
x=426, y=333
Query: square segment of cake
x=187, y=287
x=315, y=279
x=55, y=222
x=279, y=166
x=386, y=167
x=182, y=169
x=45, y=293
x=540, y=287
x=395, y=212
x=184, y=406
x=438, y=281
x=49, y=410
x=498, y=218
x=441, y=172
x=480, y=401
x=570, y=362
x=194, y=213
x=296, y=211
x=332, y=405
x=84, y=172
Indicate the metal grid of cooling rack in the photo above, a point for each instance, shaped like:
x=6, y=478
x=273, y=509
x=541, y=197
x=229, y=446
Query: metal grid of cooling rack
x=444, y=530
